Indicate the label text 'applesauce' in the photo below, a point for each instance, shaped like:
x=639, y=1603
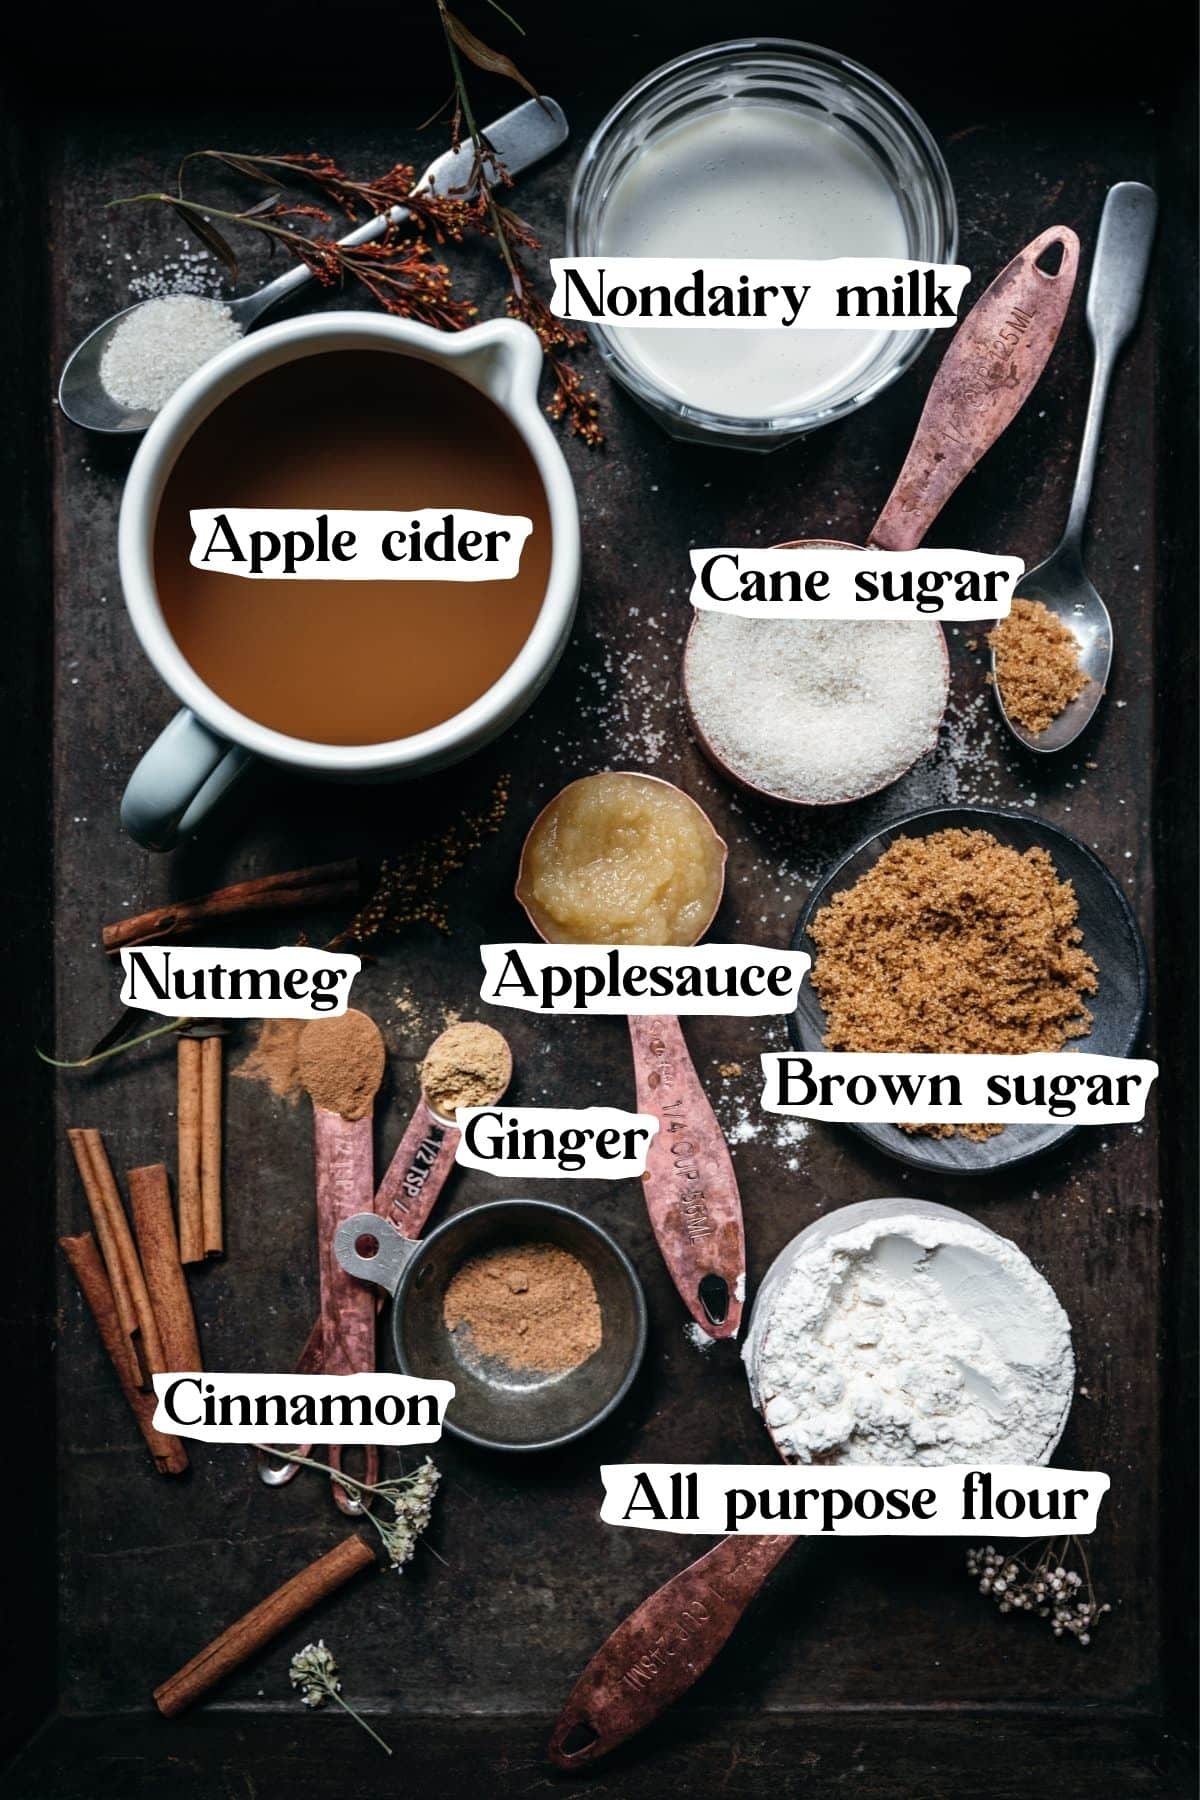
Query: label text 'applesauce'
x=561, y=979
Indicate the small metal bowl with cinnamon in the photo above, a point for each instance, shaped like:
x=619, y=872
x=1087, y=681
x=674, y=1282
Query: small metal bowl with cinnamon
x=532, y=1311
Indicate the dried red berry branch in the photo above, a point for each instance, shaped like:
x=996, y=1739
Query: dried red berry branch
x=399, y=268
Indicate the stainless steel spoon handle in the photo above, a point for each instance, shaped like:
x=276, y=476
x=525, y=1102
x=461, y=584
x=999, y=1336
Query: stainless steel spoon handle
x=518, y=140
x=1114, y=298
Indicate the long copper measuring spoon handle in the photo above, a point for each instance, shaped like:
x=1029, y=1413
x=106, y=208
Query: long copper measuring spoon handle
x=690, y=1188
x=657, y=1653
x=994, y=362
x=345, y=1180
x=992, y=365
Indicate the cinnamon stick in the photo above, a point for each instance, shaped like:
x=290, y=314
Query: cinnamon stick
x=188, y=1115
x=125, y=1275
x=212, y=1229
x=327, y=884
x=170, y=1457
x=259, y=1626
x=150, y=1200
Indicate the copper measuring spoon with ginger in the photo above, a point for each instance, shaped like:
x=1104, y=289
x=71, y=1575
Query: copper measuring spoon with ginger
x=623, y=858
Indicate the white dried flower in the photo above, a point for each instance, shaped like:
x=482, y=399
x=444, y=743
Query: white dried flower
x=1049, y=1587
x=315, y=1673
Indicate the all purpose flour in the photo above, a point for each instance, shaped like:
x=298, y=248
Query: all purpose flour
x=903, y=1332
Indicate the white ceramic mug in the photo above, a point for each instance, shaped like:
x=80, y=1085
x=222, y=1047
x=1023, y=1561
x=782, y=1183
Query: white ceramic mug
x=208, y=745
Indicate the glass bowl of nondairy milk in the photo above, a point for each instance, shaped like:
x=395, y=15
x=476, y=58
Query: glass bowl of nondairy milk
x=760, y=148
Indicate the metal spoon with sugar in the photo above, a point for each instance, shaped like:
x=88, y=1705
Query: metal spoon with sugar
x=1114, y=297
x=521, y=138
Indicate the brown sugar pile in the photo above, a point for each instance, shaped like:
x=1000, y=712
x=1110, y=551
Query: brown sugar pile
x=341, y=1062
x=953, y=943
x=1037, y=664
x=532, y=1307
x=468, y=1065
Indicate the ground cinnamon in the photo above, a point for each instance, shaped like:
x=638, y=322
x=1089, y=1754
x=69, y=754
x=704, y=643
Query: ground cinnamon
x=532, y=1307
x=273, y=1059
x=257, y=1627
x=340, y=1062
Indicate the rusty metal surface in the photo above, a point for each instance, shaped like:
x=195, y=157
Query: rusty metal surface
x=875, y=1666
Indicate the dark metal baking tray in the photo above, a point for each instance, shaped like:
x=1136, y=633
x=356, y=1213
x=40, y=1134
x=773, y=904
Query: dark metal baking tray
x=875, y=1669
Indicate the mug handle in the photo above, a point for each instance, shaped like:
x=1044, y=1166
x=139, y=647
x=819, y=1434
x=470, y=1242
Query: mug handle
x=186, y=771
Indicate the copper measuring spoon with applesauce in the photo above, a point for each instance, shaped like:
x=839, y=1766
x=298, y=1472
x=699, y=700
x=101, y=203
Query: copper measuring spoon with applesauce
x=407, y=1194
x=690, y=1188
x=994, y=362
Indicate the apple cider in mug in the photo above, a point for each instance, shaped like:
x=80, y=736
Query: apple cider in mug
x=365, y=661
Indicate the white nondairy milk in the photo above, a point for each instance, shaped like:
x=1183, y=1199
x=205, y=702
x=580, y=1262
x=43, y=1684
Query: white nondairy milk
x=744, y=180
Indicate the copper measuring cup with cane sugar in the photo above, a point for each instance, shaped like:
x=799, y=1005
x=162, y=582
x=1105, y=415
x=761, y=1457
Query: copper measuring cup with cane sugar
x=690, y=1187
x=407, y=1194
x=664, y=1646
x=994, y=361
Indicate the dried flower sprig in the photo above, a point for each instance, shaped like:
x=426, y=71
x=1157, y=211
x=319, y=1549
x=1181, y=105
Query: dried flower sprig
x=315, y=1672
x=397, y=268
x=410, y=1497
x=571, y=400
x=1049, y=1588
x=355, y=199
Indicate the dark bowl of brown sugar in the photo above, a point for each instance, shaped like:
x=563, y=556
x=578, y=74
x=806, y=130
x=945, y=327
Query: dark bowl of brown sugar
x=532, y=1311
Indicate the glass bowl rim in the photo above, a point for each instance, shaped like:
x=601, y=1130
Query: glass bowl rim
x=777, y=426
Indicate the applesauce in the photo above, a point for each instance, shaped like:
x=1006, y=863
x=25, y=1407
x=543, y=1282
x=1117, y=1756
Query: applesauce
x=620, y=858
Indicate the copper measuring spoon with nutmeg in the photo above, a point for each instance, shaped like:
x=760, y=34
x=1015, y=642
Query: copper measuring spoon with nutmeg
x=994, y=362
x=690, y=1187
x=415, y=1177
x=341, y=1063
